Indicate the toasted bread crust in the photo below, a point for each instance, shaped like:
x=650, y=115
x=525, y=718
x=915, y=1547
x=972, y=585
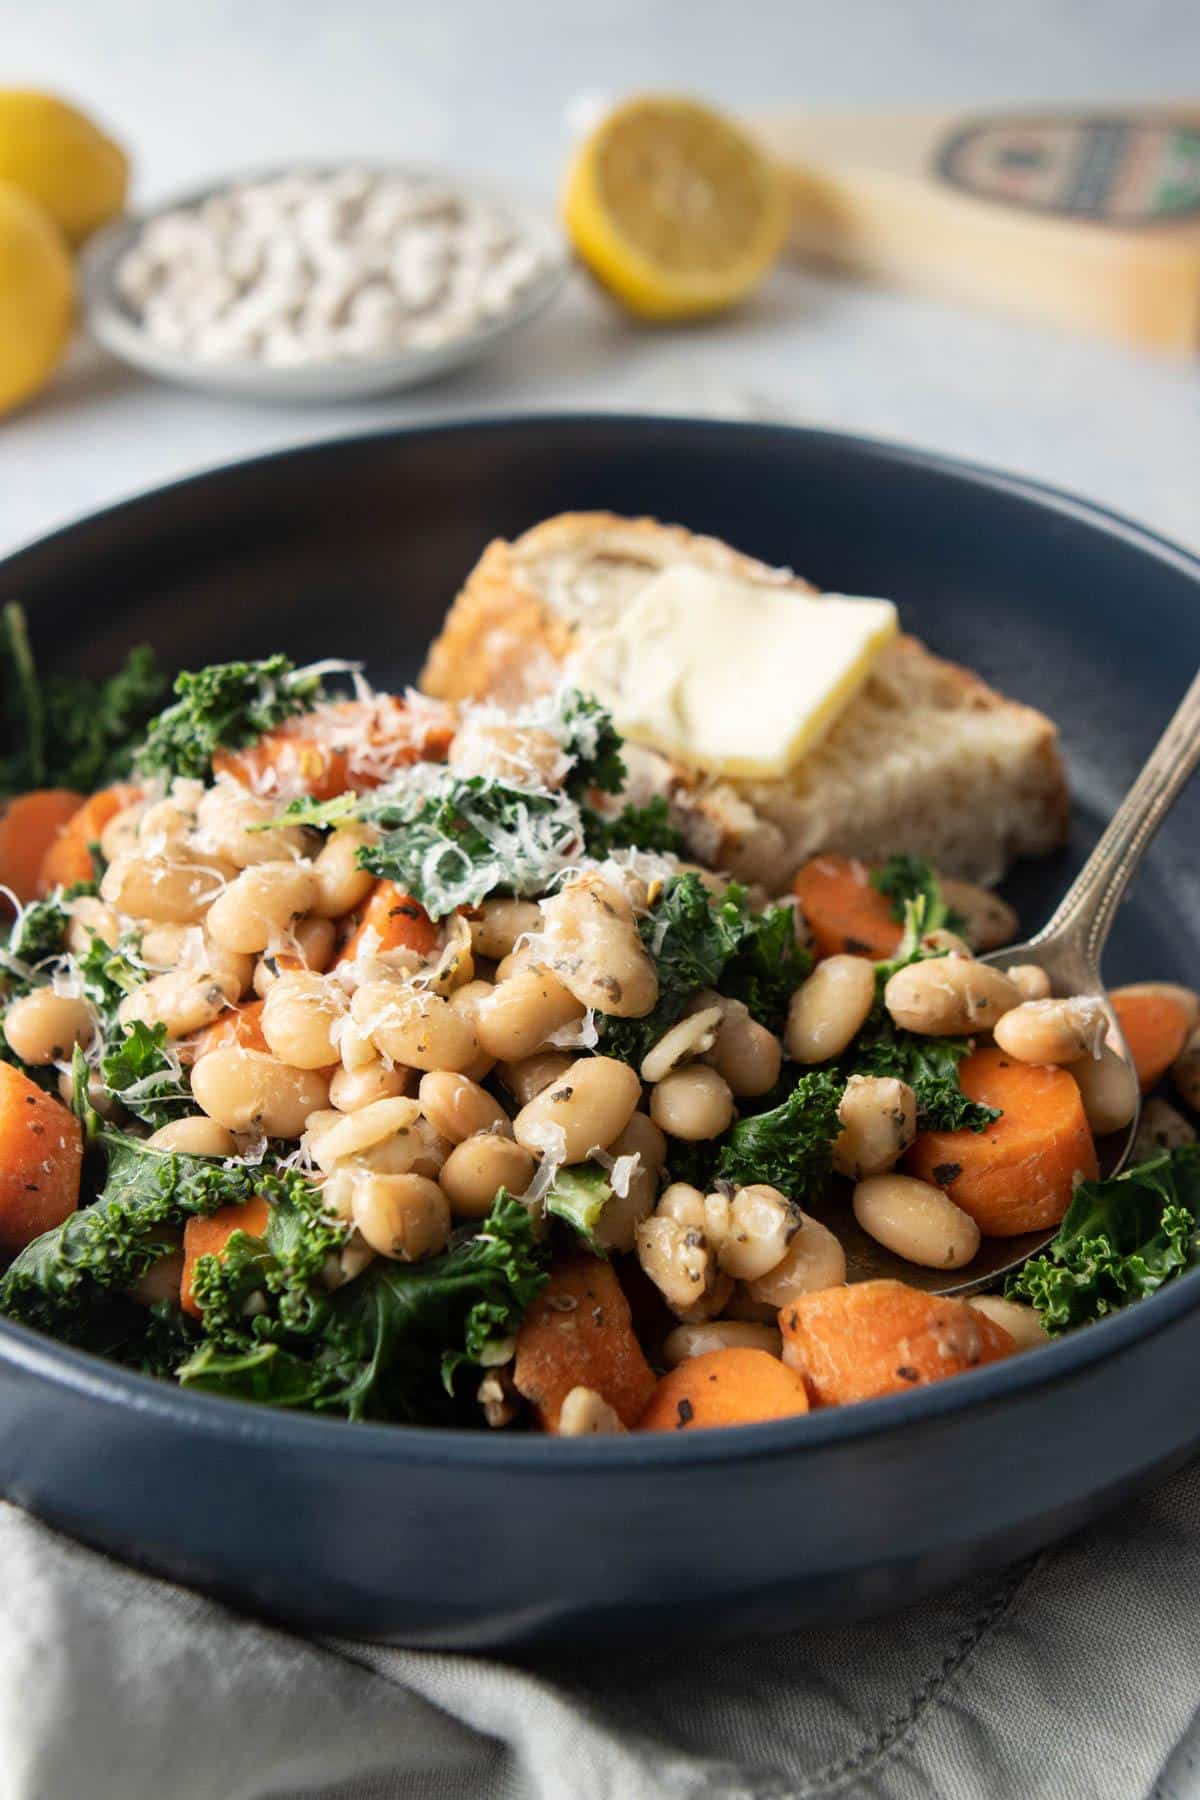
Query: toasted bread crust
x=927, y=758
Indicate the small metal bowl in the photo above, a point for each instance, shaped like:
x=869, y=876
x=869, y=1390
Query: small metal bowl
x=116, y=324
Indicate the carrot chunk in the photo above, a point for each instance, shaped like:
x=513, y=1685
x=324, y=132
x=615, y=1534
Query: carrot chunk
x=41, y=1154
x=1156, y=1020
x=579, y=1333
x=398, y=921
x=68, y=857
x=240, y=1026
x=347, y=745
x=724, y=1387
x=208, y=1237
x=845, y=914
x=1019, y=1173
x=881, y=1337
x=29, y=825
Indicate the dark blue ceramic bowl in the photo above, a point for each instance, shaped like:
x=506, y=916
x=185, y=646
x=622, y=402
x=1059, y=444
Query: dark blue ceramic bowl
x=475, y=1540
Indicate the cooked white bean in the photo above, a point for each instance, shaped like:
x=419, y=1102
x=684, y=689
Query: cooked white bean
x=830, y=1008
x=119, y=837
x=1021, y=1322
x=1053, y=1031
x=721, y=1334
x=229, y=821
x=916, y=1220
x=591, y=941
x=1185, y=1073
x=163, y=825
x=990, y=921
x=301, y=1017
x=351, y=1088
x=260, y=905
x=476, y=1170
x=941, y=939
x=694, y=1104
x=1109, y=1089
x=335, y=1137
x=762, y=1222
x=91, y=918
x=690, y=1038
x=184, y=1001
x=641, y=1137
x=467, y=1000
x=44, y=1027
x=247, y=1091
x=194, y=1136
x=341, y=883
x=676, y=1259
x=415, y=1027
x=167, y=949
x=314, y=942
x=684, y=1203
x=710, y=1304
x=947, y=995
x=532, y=1074
x=585, y=1413
x=814, y=1260
x=746, y=1054
x=1160, y=1127
x=584, y=1111
x=500, y=923
x=418, y=1151
x=616, y=1228
x=878, y=1116
x=1030, y=980
x=459, y=1108
x=403, y=1217
x=521, y=1013
x=169, y=891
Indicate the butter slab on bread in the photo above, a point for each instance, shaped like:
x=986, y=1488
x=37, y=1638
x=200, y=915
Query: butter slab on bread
x=925, y=758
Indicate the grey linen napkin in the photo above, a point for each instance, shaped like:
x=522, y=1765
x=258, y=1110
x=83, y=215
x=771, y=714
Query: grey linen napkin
x=1074, y=1676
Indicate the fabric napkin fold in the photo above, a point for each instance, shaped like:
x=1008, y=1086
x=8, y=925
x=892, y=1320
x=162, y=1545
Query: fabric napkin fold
x=1074, y=1676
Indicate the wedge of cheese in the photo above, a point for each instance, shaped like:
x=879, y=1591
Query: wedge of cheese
x=1087, y=218
x=898, y=751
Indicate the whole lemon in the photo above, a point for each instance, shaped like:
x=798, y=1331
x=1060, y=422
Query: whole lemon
x=37, y=296
x=58, y=157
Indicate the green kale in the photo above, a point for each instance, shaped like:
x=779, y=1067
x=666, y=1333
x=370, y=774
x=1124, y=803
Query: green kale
x=579, y=1196
x=108, y=975
x=587, y=734
x=791, y=1146
x=38, y=937
x=139, y=1072
x=67, y=731
x=646, y=827
x=456, y=840
x=908, y=878
x=930, y=1067
x=1120, y=1240
x=700, y=940
x=389, y=1344
x=224, y=706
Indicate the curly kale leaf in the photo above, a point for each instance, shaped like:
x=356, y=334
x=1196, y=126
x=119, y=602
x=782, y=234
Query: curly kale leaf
x=588, y=735
x=1120, y=1240
x=454, y=841
x=224, y=706
x=646, y=827
x=699, y=940
x=38, y=937
x=389, y=1344
x=66, y=731
x=579, y=1196
x=108, y=975
x=929, y=1066
x=907, y=878
x=147, y=1080
x=791, y=1146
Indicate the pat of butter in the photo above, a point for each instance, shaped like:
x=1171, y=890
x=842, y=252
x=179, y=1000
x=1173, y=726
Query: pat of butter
x=735, y=677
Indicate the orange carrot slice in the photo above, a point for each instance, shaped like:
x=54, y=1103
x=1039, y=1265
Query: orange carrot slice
x=68, y=858
x=1018, y=1174
x=398, y=921
x=845, y=914
x=579, y=1333
x=1156, y=1019
x=240, y=1026
x=208, y=1237
x=41, y=1154
x=724, y=1387
x=29, y=825
x=881, y=1337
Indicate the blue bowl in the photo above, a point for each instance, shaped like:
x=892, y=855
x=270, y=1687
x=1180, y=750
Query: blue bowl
x=477, y=1541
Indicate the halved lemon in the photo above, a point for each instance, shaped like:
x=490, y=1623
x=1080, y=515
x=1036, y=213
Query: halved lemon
x=673, y=208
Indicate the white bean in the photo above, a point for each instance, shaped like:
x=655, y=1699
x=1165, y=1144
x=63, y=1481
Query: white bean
x=585, y=1413
x=404, y=1217
x=814, y=1260
x=722, y=1334
x=478, y=1168
x=1185, y=1073
x=229, y=821
x=499, y=925
x=945, y=996
x=585, y=1110
x=830, y=1008
x=762, y=1222
x=591, y=941
x=1160, y=1128
x=260, y=905
x=194, y=1136
x=341, y=883
x=676, y=1259
x=247, y=1091
x=916, y=1220
x=532, y=1074
x=415, y=1027
x=300, y=1018
x=334, y=1137
x=44, y=1027
x=1053, y=1031
x=91, y=918
x=990, y=921
x=349, y=1089
x=878, y=1115
x=1109, y=1089
x=459, y=1108
x=694, y=1104
x=690, y=1038
x=746, y=1054
x=1021, y=1322
x=170, y=892
x=521, y=1013
x=184, y=1002
x=1030, y=980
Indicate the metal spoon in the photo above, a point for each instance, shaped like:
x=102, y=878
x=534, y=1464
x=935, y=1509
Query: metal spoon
x=1069, y=948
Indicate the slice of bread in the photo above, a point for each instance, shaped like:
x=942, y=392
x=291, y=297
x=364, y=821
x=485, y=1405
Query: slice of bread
x=925, y=758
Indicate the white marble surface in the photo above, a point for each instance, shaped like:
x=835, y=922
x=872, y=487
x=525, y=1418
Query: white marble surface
x=487, y=85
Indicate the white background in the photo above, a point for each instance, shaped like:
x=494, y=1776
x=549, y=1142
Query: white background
x=199, y=87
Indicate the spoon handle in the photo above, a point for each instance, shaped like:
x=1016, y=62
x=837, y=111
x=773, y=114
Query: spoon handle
x=1085, y=914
